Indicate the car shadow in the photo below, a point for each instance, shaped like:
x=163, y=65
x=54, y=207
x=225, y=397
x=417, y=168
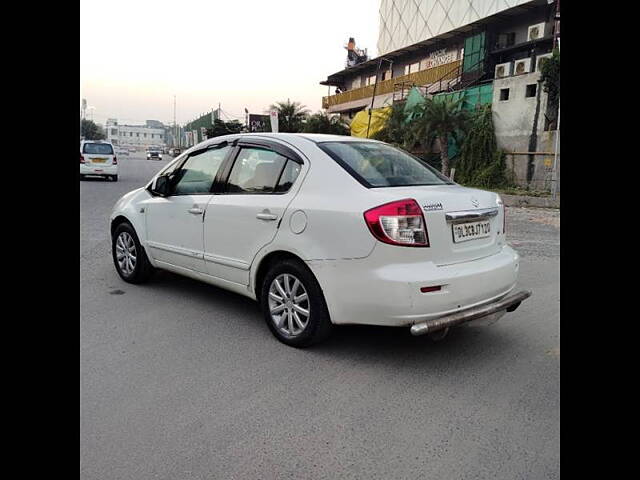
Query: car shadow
x=394, y=345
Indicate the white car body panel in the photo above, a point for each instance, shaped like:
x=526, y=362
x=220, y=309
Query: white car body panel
x=320, y=220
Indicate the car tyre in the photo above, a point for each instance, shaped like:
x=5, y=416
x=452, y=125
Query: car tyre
x=124, y=246
x=82, y=177
x=318, y=324
x=114, y=178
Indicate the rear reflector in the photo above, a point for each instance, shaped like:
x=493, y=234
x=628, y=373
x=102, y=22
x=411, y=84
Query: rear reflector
x=430, y=289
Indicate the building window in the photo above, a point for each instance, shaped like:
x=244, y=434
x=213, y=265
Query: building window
x=114, y=131
x=531, y=90
x=131, y=134
x=414, y=67
x=145, y=135
x=504, y=94
x=371, y=80
x=137, y=134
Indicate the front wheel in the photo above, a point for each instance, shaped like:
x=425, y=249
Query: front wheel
x=293, y=305
x=129, y=257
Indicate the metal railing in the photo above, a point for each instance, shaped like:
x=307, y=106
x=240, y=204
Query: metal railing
x=423, y=77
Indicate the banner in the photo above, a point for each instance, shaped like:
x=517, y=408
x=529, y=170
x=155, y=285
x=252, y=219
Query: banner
x=273, y=116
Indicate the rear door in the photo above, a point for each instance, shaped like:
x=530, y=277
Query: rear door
x=245, y=216
x=97, y=154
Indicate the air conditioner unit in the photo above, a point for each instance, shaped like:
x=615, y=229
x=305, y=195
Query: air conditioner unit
x=540, y=59
x=503, y=70
x=522, y=66
x=535, y=31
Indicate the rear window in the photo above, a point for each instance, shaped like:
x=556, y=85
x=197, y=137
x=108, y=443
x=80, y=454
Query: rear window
x=381, y=165
x=98, y=148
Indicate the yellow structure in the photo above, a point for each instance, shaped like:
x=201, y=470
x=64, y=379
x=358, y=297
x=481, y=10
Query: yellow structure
x=360, y=122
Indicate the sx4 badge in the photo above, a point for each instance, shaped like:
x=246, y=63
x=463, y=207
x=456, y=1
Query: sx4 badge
x=430, y=207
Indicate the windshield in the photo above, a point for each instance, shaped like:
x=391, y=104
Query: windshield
x=98, y=148
x=380, y=165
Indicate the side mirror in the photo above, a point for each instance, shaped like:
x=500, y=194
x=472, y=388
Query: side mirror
x=160, y=186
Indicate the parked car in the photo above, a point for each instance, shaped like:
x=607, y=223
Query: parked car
x=97, y=157
x=122, y=151
x=175, y=151
x=322, y=230
x=154, y=153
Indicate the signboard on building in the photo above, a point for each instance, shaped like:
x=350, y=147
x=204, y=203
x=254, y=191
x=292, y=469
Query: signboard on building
x=258, y=123
x=439, y=57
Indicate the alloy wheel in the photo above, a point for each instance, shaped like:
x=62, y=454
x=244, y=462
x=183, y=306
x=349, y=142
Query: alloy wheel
x=289, y=304
x=126, y=254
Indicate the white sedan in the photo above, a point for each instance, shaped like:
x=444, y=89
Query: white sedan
x=322, y=230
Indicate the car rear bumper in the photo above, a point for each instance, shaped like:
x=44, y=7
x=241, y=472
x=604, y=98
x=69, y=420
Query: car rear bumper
x=369, y=291
x=99, y=170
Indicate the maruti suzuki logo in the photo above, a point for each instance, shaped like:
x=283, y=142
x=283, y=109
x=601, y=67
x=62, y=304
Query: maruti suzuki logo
x=474, y=201
x=429, y=207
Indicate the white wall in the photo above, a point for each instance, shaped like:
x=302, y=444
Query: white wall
x=405, y=22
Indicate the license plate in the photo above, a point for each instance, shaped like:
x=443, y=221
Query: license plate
x=98, y=160
x=463, y=232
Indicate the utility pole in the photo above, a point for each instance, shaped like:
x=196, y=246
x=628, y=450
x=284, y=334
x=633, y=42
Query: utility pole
x=175, y=131
x=554, y=186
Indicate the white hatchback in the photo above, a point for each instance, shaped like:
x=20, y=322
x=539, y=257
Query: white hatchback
x=98, y=157
x=322, y=230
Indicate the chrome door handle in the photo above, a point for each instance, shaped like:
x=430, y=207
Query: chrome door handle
x=196, y=211
x=267, y=216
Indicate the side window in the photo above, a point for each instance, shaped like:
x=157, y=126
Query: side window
x=198, y=172
x=289, y=175
x=256, y=170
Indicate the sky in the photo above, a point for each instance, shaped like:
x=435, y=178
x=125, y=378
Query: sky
x=136, y=55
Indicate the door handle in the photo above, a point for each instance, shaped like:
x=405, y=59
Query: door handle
x=196, y=211
x=267, y=216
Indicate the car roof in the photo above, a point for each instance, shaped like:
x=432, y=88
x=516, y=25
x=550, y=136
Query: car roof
x=299, y=140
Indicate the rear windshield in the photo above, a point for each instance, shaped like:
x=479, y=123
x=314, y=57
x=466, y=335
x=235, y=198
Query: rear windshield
x=98, y=148
x=380, y=165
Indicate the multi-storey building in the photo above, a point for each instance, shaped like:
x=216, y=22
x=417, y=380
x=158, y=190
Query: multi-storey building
x=135, y=135
x=486, y=51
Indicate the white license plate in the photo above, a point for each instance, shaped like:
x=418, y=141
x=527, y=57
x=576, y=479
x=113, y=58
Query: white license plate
x=463, y=232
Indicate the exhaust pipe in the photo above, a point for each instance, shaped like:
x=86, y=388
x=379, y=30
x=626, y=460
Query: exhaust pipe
x=508, y=303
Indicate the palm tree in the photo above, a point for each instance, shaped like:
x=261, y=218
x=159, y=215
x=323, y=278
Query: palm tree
x=396, y=128
x=439, y=118
x=321, y=122
x=291, y=115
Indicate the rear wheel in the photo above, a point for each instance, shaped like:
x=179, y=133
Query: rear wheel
x=293, y=305
x=129, y=257
x=114, y=178
x=82, y=177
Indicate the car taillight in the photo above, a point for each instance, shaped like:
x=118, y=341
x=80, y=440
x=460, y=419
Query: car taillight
x=115, y=160
x=398, y=223
x=81, y=159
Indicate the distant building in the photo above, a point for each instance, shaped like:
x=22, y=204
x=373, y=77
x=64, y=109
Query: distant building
x=135, y=135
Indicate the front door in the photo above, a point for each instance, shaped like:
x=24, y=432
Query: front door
x=174, y=223
x=246, y=216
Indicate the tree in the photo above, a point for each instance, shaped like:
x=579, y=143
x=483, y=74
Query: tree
x=321, y=122
x=220, y=127
x=481, y=163
x=291, y=116
x=396, y=128
x=439, y=118
x=91, y=131
x=550, y=78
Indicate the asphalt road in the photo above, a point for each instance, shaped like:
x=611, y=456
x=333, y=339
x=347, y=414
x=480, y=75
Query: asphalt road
x=182, y=380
